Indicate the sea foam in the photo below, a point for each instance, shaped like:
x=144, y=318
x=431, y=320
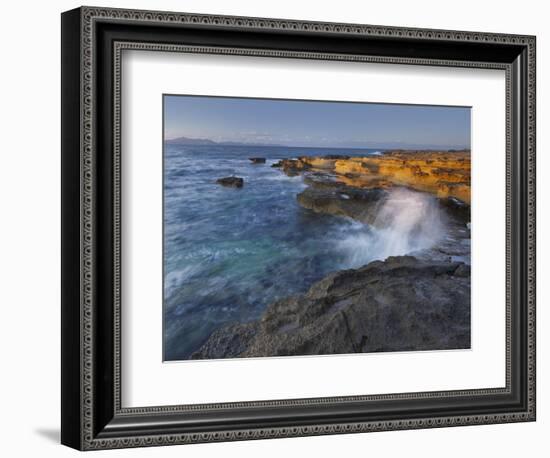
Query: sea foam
x=407, y=221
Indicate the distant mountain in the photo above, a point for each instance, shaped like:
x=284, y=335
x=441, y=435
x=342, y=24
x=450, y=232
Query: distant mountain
x=191, y=141
x=352, y=145
x=207, y=141
x=249, y=144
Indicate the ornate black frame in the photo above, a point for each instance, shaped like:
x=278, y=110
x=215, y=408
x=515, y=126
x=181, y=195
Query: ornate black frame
x=92, y=42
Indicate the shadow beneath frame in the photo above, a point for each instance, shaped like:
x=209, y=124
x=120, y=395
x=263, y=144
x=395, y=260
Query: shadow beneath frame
x=53, y=435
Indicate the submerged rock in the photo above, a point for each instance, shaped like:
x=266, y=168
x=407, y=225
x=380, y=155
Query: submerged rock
x=401, y=304
x=257, y=160
x=231, y=182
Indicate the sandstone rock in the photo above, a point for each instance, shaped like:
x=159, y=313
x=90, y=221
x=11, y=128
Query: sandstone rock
x=231, y=182
x=291, y=167
x=443, y=173
x=401, y=304
x=323, y=162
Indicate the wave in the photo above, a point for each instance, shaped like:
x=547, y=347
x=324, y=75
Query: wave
x=173, y=279
x=408, y=221
x=280, y=177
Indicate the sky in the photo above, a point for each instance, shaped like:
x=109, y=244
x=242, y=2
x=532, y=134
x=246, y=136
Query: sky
x=316, y=123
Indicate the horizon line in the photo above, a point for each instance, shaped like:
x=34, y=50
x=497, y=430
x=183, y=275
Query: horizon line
x=286, y=145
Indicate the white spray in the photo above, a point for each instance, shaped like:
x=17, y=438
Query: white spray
x=407, y=221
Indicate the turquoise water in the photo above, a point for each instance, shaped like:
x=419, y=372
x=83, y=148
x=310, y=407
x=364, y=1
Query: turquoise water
x=228, y=253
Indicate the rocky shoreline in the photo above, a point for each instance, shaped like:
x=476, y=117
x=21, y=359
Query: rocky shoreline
x=401, y=304
x=442, y=173
x=418, y=301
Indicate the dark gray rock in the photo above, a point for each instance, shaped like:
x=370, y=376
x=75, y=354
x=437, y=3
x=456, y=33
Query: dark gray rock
x=257, y=160
x=335, y=156
x=228, y=342
x=457, y=208
x=323, y=180
x=401, y=304
x=339, y=200
x=231, y=182
x=463, y=271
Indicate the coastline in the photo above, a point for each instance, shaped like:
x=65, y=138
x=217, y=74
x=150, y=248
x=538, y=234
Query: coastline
x=418, y=301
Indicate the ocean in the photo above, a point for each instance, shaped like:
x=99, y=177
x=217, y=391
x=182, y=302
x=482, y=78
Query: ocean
x=228, y=253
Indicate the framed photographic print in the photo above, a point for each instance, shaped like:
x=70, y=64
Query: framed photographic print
x=277, y=228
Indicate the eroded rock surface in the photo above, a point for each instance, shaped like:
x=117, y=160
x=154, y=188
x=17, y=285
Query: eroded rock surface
x=444, y=174
x=400, y=304
x=340, y=200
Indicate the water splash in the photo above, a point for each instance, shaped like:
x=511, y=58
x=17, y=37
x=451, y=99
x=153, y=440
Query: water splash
x=408, y=221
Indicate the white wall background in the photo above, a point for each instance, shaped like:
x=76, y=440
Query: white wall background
x=30, y=214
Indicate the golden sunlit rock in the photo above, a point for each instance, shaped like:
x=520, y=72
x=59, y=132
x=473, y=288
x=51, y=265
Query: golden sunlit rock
x=443, y=173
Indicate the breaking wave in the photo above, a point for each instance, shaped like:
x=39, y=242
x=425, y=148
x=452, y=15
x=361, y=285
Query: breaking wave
x=407, y=221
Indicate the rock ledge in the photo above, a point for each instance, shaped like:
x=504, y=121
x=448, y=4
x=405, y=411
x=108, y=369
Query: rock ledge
x=401, y=304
